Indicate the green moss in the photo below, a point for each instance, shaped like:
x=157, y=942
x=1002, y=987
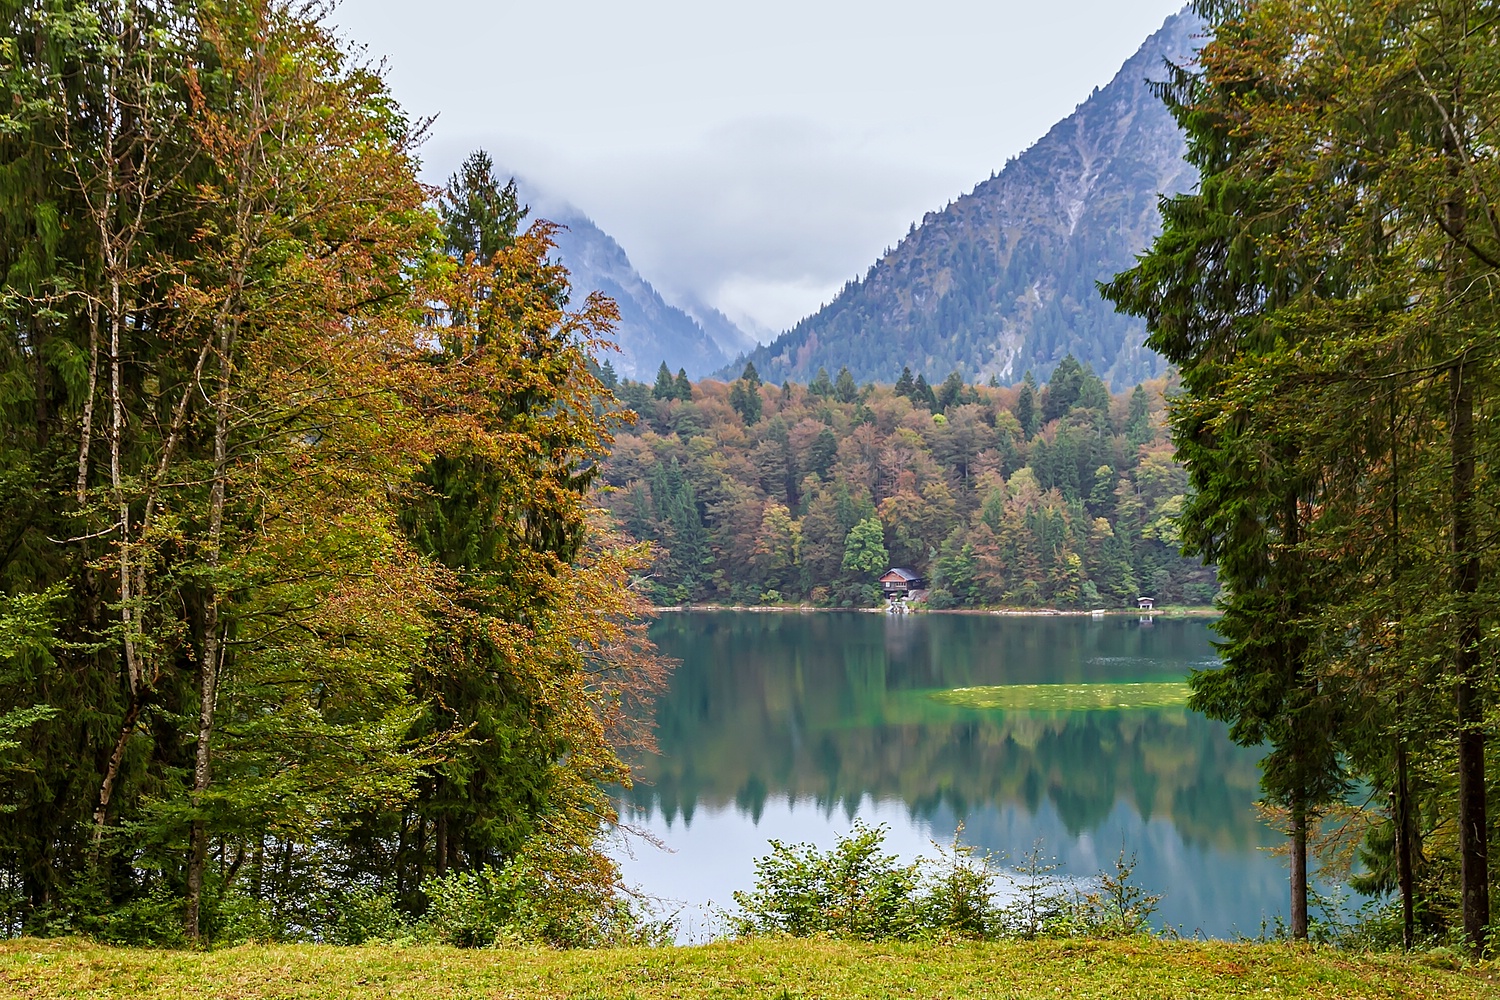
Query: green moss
x=1067, y=697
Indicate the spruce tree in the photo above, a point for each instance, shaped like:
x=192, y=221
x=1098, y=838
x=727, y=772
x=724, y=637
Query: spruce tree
x=1026, y=409
x=922, y=394
x=844, y=389
x=952, y=389
x=478, y=215
x=666, y=386
x=905, y=384
x=821, y=386
x=1138, y=429
x=1201, y=288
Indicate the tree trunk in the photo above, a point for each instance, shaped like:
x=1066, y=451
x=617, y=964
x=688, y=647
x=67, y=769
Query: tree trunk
x=1473, y=828
x=213, y=648
x=1299, y=869
x=1403, y=823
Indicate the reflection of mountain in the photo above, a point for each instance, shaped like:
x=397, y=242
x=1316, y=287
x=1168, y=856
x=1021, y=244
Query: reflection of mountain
x=832, y=707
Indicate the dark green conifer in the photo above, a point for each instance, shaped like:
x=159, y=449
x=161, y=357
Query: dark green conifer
x=922, y=394
x=1138, y=429
x=478, y=215
x=844, y=389
x=951, y=391
x=905, y=384
x=1026, y=411
x=666, y=387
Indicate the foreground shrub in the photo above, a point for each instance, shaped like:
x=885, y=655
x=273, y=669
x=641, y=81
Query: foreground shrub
x=853, y=891
x=857, y=891
x=566, y=899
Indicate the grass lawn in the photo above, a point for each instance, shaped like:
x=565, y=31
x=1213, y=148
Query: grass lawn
x=775, y=969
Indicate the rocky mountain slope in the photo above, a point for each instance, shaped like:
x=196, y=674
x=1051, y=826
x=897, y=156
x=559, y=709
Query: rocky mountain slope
x=651, y=330
x=1001, y=281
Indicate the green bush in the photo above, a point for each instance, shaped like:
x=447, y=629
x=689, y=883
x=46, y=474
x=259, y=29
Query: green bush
x=957, y=894
x=853, y=891
x=562, y=898
x=856, y=891
x=369, y=915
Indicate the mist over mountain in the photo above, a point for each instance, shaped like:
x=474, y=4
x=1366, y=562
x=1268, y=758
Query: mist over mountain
x=651, y=330
x=1001, y=281
x=693, y=336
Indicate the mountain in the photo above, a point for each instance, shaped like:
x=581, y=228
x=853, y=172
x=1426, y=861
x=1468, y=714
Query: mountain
x=650, y=330
x=724, y=331
x=1002, y=280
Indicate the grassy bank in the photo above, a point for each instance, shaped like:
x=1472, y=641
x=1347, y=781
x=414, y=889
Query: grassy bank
x=1113, y=970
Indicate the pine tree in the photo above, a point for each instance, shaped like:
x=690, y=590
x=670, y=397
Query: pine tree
x=682, y=389
x=951, y=391
x=905, y=384
x=1026, y=410
x=666, y=386
x=744, y=396
x=844, y=389
x=1138, y=429
x=478, y=215
x=1199, y=287
x=922, y=394
x=821, y=386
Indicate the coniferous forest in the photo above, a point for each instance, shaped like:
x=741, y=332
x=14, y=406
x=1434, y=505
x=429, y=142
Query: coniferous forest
x=1056, y=495
x=1329, y=296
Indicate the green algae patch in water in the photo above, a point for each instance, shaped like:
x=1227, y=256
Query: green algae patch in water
x=1097, y=697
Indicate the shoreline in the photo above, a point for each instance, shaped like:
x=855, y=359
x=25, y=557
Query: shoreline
x=1170, y=612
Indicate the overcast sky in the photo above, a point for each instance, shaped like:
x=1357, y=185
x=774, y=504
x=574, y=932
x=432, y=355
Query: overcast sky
x=756, y=155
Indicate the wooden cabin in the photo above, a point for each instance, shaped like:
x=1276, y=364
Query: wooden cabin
x=1146, y=603
x=899, y=582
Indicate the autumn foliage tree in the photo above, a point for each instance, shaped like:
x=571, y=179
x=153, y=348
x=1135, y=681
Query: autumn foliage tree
x=234, y=356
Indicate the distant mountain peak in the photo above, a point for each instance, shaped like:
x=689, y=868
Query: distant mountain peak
x=650, y=330
x=1001, y=280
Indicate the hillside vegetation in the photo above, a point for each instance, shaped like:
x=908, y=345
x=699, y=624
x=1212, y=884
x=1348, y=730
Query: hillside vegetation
x=1053, y=496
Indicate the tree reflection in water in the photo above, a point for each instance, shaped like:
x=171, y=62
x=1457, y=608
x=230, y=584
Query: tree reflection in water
x=825, y=716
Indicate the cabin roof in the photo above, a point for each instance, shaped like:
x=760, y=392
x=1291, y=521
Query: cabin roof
x=897, y=573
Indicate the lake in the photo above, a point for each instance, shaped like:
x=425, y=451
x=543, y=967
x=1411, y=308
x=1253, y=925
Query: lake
x=793, y=725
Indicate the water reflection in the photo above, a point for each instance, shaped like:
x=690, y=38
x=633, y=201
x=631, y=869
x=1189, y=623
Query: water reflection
x=789, y=726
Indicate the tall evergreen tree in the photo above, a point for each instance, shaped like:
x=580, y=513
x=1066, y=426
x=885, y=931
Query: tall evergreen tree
x=478, y=214
x=905, y=383
x=666, y=386
x=1204, y=291
x=1026, y=407
x=844, y=388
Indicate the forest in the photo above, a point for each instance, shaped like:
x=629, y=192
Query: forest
x=309, y=619
x=1057, y=495
x=1329, y=297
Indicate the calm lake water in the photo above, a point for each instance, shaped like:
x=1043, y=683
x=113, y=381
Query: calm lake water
x=791, y=726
